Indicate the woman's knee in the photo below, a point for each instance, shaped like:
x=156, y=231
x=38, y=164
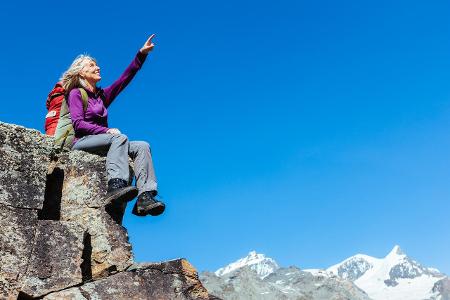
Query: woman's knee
x=141, y=146
x=122, y=138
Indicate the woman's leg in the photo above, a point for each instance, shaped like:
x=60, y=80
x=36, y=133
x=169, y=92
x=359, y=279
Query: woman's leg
x=146, y=203
x=115, y=145
x=143, y=166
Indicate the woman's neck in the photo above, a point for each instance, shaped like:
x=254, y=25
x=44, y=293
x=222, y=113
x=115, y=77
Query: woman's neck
x=91, y=86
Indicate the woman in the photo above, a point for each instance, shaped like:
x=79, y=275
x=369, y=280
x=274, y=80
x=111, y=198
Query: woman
x=92, y=133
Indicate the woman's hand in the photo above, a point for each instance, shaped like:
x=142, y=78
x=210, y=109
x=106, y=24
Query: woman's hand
x=148, y=46
x=113, y=131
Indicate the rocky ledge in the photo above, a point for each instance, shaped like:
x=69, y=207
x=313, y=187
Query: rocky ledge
x=59, y=240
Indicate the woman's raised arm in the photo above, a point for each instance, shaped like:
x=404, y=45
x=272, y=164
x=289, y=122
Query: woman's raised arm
x=114, y=89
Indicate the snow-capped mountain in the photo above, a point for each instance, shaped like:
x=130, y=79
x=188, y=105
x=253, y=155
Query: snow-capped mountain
x=395, y=276
x=260, y=278
x=262, y=265
x=360, y=277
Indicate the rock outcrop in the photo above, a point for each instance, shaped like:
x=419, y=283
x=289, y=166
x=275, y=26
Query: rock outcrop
x=441, y=289
x=59, y=240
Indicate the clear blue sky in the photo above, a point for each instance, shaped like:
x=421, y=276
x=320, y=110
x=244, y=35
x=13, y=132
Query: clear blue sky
x=306, y=130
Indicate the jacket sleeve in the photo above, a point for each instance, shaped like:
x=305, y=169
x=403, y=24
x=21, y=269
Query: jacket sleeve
x=81, y=126
x=114, y=89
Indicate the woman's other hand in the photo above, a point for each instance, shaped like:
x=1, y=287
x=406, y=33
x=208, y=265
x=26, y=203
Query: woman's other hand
x=113, y=131
x=148, y=46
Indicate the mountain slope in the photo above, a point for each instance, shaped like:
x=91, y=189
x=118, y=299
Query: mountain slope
x=395, y=276
x=259, y=277
x=262, y=265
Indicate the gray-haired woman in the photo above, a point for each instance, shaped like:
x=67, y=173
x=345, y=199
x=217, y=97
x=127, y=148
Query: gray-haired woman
x=92, y=133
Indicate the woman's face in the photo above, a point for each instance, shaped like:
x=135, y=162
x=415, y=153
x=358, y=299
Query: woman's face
x=90, y=71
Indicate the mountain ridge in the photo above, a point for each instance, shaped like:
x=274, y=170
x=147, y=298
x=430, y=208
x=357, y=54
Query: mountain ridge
x=395, y=276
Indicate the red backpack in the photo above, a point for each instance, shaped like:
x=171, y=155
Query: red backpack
x=54, y=101
x=58, y=122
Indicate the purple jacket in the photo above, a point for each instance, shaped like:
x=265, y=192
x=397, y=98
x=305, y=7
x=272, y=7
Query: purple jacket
x=95, y=119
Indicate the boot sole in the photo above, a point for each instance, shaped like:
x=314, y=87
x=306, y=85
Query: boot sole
x=154, y=210
x=122, y=196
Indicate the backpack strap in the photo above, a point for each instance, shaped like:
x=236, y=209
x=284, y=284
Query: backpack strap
x=84, y=97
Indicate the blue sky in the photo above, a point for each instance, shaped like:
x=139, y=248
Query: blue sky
x=306, y=130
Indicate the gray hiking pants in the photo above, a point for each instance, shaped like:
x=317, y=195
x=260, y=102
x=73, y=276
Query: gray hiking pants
x=117, y=149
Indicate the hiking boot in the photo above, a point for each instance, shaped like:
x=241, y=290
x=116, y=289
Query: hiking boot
x=146, y=204
x=119, y=192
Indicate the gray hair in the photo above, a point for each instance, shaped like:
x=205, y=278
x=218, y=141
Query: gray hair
x=71, y=78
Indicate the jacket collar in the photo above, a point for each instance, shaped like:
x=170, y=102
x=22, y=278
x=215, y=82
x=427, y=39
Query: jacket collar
x=98, y=93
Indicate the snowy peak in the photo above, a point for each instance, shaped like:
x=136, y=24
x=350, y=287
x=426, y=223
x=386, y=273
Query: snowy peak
x=390, y=277
x=397, y=265
x=396, y=251
x=259, y=263
x=354, y=267
x=395, y=276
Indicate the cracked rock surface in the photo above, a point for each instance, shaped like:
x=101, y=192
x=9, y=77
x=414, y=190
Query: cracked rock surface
x=59, y=240
x=55, y=260
x=170, y=280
